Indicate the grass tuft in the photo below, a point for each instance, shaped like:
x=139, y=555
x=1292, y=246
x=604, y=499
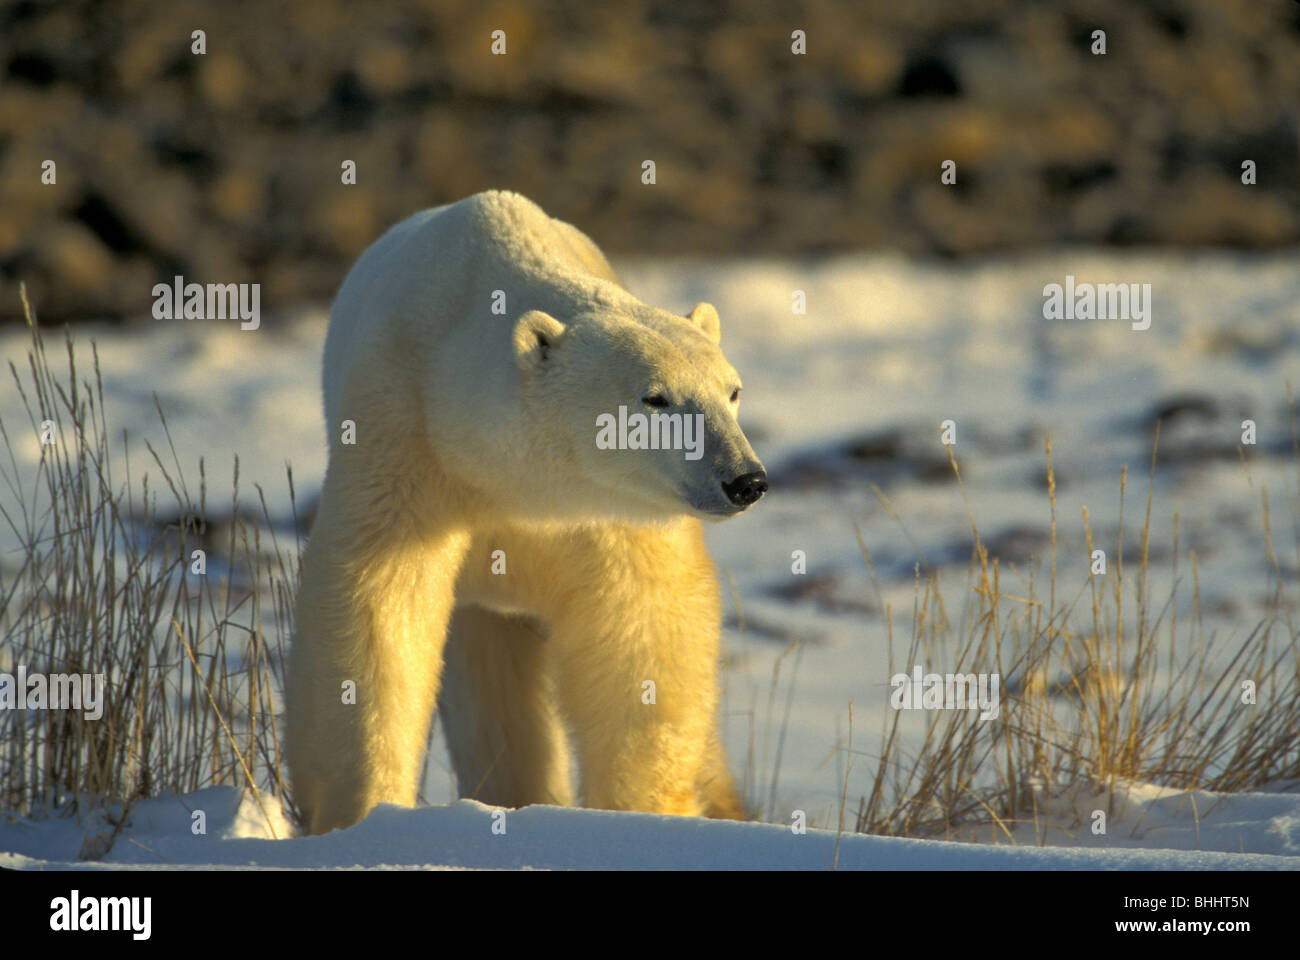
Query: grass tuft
x=103, y=581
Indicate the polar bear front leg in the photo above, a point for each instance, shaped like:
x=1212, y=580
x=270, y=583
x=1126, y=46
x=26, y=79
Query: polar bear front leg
x=640, y=698
x=635, y=646
x=365, y=664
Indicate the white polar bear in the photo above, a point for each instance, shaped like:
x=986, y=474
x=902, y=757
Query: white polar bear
x=469, y=517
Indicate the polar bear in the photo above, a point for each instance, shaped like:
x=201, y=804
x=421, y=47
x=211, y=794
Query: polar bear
x=474, y=534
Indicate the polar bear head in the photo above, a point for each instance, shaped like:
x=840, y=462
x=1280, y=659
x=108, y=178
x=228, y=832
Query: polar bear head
x=637, y=409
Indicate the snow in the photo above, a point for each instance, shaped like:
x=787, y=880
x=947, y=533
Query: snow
x=888, y=349
x=461, y=835
x=1148, y=816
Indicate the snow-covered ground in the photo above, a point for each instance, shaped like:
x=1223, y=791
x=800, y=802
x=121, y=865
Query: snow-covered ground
x=462, y=835
x=848, y=395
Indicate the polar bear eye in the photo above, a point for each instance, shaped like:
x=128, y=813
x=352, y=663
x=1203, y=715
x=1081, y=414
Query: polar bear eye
x=655, y=400
x=735, y=395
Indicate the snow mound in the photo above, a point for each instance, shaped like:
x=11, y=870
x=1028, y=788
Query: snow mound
x=461, y=835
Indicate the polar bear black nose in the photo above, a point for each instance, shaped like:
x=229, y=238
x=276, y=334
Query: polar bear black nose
x=746, y=488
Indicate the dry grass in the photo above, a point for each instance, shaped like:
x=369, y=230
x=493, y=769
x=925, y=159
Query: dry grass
x=103, y=584
x=1085, y=708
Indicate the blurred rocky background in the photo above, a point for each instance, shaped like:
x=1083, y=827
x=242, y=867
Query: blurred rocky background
x=226, y=167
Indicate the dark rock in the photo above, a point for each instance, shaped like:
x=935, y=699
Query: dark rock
x=926, y=75
x=883, y=458
x=824, y=590
x=760, y=152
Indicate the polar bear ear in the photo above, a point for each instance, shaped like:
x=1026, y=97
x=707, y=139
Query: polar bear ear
x=535, y=334
x=706, y=318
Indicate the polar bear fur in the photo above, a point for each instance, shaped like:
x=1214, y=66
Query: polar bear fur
x=474, y=432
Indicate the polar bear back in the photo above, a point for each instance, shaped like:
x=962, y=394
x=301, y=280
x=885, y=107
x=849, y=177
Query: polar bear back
x=430, y=280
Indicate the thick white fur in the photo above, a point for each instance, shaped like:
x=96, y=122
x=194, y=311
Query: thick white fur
x=475, y=432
